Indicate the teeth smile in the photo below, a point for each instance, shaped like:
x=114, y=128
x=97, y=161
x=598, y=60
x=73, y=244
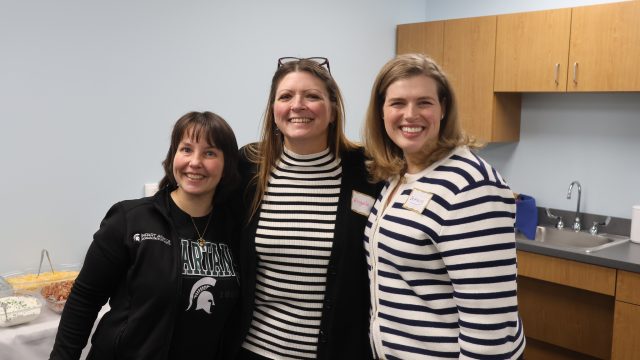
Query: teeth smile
x=411, y=129
x=195, y=176
x=300, y=120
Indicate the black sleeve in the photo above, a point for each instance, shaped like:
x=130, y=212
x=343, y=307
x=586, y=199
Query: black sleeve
x=104, y=267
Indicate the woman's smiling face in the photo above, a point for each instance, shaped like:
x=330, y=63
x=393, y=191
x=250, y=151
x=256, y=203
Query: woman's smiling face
x=412, y=113
x=197, y=167
x=302, y=112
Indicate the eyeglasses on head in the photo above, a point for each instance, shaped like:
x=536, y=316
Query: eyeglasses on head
x=322, y=61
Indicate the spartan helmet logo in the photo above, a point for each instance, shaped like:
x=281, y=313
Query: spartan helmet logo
x=204, y=298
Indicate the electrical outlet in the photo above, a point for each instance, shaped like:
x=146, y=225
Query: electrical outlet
x=150, y=189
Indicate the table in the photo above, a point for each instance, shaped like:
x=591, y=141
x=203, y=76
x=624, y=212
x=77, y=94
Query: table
x=34, y=340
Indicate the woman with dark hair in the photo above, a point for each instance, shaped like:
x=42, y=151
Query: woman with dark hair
x=440, y=239
x=164, y=262
x=304, y=288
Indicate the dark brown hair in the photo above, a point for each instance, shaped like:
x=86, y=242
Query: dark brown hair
x=219, y=134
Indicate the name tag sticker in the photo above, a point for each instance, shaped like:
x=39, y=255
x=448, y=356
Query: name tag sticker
x=361, y=203
x=418, y=200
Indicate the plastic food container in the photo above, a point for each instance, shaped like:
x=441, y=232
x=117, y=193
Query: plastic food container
x=56, y=294
x=28, y=281
x=19, y=309
x=5, y=288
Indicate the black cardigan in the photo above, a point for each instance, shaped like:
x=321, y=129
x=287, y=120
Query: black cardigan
x=344, y=328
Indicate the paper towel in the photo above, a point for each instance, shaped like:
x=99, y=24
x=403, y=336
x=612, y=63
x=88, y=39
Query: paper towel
x=635, y=224
x=526, y=216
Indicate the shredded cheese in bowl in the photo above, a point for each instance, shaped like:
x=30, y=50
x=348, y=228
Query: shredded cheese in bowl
x=33, y=281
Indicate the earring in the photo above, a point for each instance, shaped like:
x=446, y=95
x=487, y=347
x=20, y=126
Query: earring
x=276, y=131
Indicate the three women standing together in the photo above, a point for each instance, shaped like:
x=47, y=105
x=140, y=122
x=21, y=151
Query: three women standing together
x=435, y=276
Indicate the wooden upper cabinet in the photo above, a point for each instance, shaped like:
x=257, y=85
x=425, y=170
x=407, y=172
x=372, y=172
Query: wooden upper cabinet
x=532, y=50
x=587, y=48
x=425, y=38
x=605, y=48
x=469, y=57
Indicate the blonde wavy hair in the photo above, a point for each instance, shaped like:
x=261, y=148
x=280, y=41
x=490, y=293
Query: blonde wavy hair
x=386, y=158
x=265, y=153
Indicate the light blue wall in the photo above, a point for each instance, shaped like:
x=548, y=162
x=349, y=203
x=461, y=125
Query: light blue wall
x=89, y=91
x=452, y=9
x=592, y=138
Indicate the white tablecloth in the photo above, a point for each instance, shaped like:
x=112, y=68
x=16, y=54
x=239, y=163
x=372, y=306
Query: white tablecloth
x=34, y=340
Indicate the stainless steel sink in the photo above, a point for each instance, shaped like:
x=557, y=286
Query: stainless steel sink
x=571, y=240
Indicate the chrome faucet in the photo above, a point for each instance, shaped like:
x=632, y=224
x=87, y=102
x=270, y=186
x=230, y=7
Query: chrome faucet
x=559, y=223
x=594, y=229
x=576, y=222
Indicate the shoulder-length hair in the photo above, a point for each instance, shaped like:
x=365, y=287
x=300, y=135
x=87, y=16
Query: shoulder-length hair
x=219, y=134
x=268, y=150
x=386, y=158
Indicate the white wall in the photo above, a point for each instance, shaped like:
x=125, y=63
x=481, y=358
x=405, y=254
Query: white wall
x=89, y=91
x=592, y=138
x=453, y=9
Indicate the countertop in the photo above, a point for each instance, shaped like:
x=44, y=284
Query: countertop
x=624, y=256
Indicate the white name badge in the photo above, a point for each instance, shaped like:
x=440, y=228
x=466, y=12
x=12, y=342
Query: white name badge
x=361, y=203
x=418, y=200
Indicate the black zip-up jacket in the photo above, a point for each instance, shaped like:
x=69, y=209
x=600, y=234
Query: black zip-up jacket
x=134, y=262
x=345, y=319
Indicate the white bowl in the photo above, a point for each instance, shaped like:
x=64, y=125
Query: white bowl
x=19, y=309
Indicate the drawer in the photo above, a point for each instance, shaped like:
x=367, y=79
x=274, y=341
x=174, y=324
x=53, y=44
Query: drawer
x=571, y=273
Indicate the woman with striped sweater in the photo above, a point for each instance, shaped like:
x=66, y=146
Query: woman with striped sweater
x=304, y=284
x=439, y=241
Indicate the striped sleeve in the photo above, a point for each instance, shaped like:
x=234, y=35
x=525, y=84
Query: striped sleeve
x=477, y=246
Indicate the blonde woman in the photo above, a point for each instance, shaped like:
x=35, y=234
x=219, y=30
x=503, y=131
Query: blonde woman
x=304, y=288
x=440, y=240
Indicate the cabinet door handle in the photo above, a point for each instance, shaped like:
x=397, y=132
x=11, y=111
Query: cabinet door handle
x=575, y=73
x=555, y=73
